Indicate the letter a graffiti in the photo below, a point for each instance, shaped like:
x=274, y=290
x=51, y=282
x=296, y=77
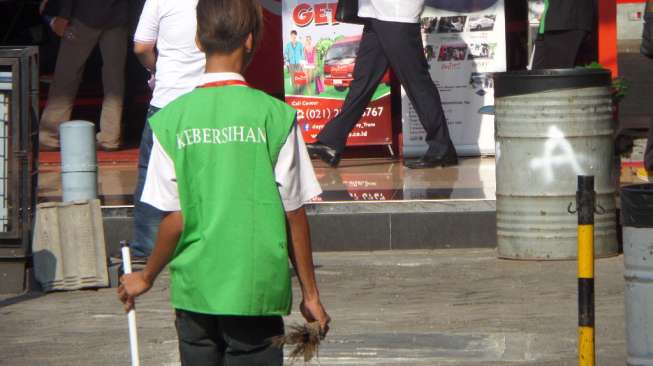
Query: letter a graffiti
x=557, y=152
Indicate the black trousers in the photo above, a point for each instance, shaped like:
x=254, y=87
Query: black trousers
x=213, y=340
x=558, y=49
x=398, y=45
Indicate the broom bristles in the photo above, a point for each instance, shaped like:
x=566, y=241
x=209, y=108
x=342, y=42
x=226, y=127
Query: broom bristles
x=306, y=339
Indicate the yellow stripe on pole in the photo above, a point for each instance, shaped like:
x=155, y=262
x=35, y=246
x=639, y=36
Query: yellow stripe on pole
x=585, y=251
x=585, y=346
x=585, y=201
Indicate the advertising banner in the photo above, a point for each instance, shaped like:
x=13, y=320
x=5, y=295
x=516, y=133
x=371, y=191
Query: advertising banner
x=464, y=42
x=319, y=57
x=5, y=92
x=535, y=12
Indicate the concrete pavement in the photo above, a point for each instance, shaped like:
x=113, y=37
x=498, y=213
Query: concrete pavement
x=441, y=307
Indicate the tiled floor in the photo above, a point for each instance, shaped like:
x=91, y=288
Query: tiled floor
x=380, y=179
x=354, y=180
x=384, y=180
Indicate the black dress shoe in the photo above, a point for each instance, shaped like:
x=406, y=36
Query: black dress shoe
x=448, y=159
x=324, y=152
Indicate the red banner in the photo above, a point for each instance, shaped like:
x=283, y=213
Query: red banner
x=260, y=73
x=374, y=127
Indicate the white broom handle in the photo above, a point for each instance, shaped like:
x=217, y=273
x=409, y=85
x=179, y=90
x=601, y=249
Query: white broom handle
x=131, y=315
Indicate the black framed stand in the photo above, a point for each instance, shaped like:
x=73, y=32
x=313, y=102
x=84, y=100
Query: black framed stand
x=19, y=114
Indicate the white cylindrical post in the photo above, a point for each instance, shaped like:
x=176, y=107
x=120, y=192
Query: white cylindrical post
x=78, y=161
x=131, y=315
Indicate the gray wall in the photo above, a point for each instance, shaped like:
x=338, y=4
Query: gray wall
x=636, y=109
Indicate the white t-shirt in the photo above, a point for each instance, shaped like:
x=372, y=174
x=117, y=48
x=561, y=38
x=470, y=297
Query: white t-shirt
x=172, y=25
x=293, y=172
x=402, y=11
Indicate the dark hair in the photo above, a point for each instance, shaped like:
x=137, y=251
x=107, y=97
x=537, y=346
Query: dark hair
x=223, y=25
x=293, y=32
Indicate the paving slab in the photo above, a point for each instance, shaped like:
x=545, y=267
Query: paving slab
x=428, y=307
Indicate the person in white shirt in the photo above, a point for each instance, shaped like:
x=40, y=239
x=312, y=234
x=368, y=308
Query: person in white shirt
x=401, y=11
x=164, y=43
x=391, y=37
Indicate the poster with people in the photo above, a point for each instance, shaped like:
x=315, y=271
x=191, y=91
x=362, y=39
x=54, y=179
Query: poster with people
x=5, y=92
x=464, y=43
x=535, y=13
x=319, y=58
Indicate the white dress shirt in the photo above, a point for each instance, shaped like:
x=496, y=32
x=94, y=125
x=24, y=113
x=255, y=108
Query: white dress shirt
x=293, y=171
x=402, y=11
x=171, y=25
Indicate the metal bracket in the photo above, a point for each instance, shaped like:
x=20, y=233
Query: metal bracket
x=573, y=212
x=599, y=210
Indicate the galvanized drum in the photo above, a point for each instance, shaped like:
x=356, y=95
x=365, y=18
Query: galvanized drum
x=637, y=220
x=551, y=126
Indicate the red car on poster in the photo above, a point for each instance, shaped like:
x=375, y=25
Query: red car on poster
x=339, y=63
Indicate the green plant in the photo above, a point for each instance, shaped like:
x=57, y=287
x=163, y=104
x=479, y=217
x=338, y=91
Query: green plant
x=620, y=86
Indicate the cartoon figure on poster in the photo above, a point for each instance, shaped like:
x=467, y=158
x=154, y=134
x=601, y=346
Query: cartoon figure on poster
x=319, y=58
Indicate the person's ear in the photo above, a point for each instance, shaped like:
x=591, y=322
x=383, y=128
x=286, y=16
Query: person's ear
x=198, y=44
x=249, y=43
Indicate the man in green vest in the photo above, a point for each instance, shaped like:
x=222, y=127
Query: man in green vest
x=227, y=161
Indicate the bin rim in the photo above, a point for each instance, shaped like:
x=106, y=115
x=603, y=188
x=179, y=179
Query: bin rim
x=521, y=82
x=76, y=124
x=639, y=188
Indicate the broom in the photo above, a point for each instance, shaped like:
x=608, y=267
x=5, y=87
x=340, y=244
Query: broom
x=305, y=337
x=131, y=316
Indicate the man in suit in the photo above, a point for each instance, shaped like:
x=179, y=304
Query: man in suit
x=82, y=25
x=566, y=27
x=391, y=37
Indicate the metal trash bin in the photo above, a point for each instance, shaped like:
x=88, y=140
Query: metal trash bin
x=637, y=221
x=551, y=126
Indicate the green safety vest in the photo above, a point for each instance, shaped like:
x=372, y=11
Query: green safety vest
x=232, y=257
